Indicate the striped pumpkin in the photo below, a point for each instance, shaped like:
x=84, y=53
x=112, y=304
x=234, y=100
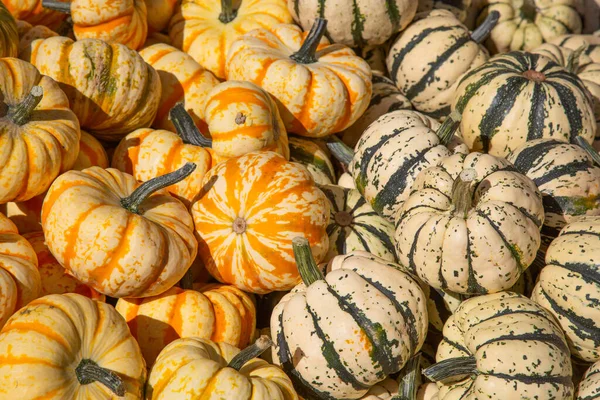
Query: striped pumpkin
x=392, y=152
x=471, y=225
x=568, y=286
x=321, y=88
x=441, y=305
x=246, y=218
x=206, y=29
x=517, y=97
x=91, y=153
x=27, y=34
x=31, y=11
x=574, y=42
x=355, y=226
x=589, y=388
x=502, y=346
x=459, y=8
x=314, y=157
x=130, y=98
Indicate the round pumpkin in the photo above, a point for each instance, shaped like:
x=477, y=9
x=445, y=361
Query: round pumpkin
x=29, y=33
x=206, y=29
x=589, y=388
x=67, y=346
x=129, y=94
x=91, y=153
x=34, y=13
x=321, y=88
x=315, y=157
x=160, y=13
x=517, y=97
x=460, y=8
x=122, y=238
x=248, y=214
x=9, y=34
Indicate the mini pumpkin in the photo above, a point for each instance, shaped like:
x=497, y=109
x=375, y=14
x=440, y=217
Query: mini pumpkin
x=589, y=388
x=34, y=13
x=315, y=157
x=91, y=153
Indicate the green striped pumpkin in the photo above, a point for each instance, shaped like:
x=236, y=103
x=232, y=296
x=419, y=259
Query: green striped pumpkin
x=502, y=346
x=574, y=42
x=315, y=157
x=440, y=306
x=589, y=388
x=338, y=336
x=355, y=23
x=569, y=285
x=517, y=97
x=459, y=8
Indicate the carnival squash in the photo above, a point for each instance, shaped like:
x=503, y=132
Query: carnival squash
x=33, y=12
x=91, y=153
x=590, y=43
x=589, y=388
x=315, y=157
x=9, y=34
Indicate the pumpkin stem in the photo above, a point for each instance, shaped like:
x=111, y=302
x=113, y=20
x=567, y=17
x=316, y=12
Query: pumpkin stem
x=573, y=59
x=306, y=54
x=89, y=372
x=21, y=113
x=228, y=14
x=462, y=191
x=483, y=30
x=446, y=131
x=133, y=201
x=588, y=149
x=65, y=27
x=186, y=128
x=250, y=352
x=454, y=368
x=57, y=5
x=410, y=379
x=340, y=150
x=307, y=266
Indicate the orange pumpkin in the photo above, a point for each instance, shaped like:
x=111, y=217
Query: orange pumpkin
x=91, y=153
x=160, y=13
x=29, y=33
x=31, y=11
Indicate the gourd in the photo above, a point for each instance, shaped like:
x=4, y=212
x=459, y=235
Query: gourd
x=518, y=97
x=459, y=8
x=245, y=218
x=160, y=13
x=471, y=225
x=589, y=388
x=321, y=88
x=31, y=11
x=27, y=34
x=206, y=29
x=156, y=38
x=67, y=346
x=591, y=44
x=314, y=157
x=502, y=345
x=91, y=153
x=122, y=238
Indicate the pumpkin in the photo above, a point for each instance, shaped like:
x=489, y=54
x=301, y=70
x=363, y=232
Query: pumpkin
x=32, y=12
x=357, y=22
x=459, y=8
x=591, y=44
x=156, y=38
x=122, y=238
x=39, y=134
x=471, y=225
x=441, y=304
x=113, y=21
x=315, y=157
x=91, y=153
x=337, y=336
x=568, y=288
x=589, y=388
x=131, y=88
x=182, y=80
x=502, y=346
x=160, y=13
x=242, y=118
x=355, y=226
x=321, y=88
x=67, y=346
x=9, y=35
x=248, y=214
x=346, y=181
x=391, y=153
x=27, y=34
x=517, y=97
x=441, y=43
x=524, y=25
x=206, y=29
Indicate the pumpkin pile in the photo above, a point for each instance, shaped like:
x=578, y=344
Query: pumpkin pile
x=307, y=199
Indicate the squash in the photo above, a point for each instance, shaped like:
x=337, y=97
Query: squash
x=502, y=346
x=355, y=226
x=589, y=388
x=471, y=225
x=428, y=59
x=39, y=134
x=67, y=346
x=568, y=286
x=113, y=21
x=131, y=92
x=195, y=368
x=337, y=336
x=9, y=35
x=182, y=80
x=205, y=29
x=459, y=8
x=218, y=312
x=321, y=88
x=160, y=13
x=91, y=153
x=346, y=181
x=32, y=12
x=251, y=208
x=591, y=44
x=517, y=97
x=122, y=238
x=526, y=24
x=27, y=34
x=441, y=304
x=315, y=157
x=20, y=280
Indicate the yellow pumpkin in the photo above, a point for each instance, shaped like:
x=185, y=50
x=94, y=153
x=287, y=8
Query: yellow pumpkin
x=31, y=11
x=9, y=34
x=91, y=153
x=29, y=33
x=321, y=89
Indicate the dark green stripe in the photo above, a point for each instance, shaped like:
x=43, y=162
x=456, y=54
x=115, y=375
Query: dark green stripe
x=550, y=339
x=571, y=109
x=569, y=205
x=393, y=14
x=473, y=88
x=532, y=156
x=456, y=345
x=590, y=273
x=560, y=170
x=473, y=287
x=537, y=114
x=555, y=381
x=379, y=234
x=508, y=245
x=358, y=25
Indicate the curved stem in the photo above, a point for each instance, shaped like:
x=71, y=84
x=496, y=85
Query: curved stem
x=573, y=59
x=21, y=113
x=89, y=372
x=250, y=352
x=410, y=380
x=186, y=128
x=306, y=54
x=462, y=192
x=483, y=30
x=228, y=14
x=56, y=5
x=133, y=201
x=446, y=131
x=340, y=150
x=451, y=368
x=307, y=266
x=588, y=149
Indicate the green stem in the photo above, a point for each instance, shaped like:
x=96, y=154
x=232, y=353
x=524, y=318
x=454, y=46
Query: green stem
x=446, y=131
x=483, y=30
x=307, y=52
x=462, y=192
x=21, y=113
x=133, y=201
x=452, y=369
x=89, y=372
x=410, y=379
x=250, y=352
x=186, y=128
x=573, y=59
x=57, y=5
x=340, y=150
x=588, y=149
x=307, y=266
x=228, y=14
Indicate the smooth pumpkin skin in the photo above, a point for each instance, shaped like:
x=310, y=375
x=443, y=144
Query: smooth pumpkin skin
x=91, y=153
x=316, y=99
x=44, y=342
x=221, y=313
x=29, y=33
x=9, y=35
x=315, y=157
x=33, y=154
x=160, y=13
x=116, y=252
x=182, y=79
x=31, y=11
x=589, y=387
x=276, y=200
x=196, y=29
x=132, y=92
x=242, y=118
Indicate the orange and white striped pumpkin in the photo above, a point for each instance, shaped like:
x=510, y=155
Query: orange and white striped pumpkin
x=29, y=33
x=91, y=153
x=31, y=11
